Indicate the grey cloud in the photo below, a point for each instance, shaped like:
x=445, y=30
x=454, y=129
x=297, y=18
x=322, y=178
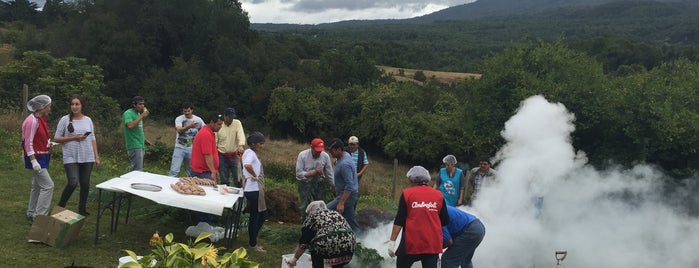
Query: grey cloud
x=307, y=6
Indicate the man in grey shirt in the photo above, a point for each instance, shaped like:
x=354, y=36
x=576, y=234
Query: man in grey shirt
x=313, y=167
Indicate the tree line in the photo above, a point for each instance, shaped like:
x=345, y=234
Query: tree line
x=292, y=86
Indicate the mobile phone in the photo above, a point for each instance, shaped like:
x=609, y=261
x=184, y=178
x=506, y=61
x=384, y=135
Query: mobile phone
x=87, y=133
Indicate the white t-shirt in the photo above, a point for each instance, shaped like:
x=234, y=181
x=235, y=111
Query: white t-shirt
x=250, y=158
x=184, y=140
x=76, y=151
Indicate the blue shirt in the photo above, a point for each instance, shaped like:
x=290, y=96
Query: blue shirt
x=355, y=157
x=346, y=175
x=458, y=221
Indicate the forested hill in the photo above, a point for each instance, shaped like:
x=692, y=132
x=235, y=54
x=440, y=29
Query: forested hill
x=496, y=8
x=489, y=9
x=647, y=30
x=492, y=8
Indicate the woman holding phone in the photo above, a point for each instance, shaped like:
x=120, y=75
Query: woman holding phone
x=75, y=133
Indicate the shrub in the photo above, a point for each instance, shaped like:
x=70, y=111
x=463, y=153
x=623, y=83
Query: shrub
x=280, y=172
x=159, y=153
x=420, y=76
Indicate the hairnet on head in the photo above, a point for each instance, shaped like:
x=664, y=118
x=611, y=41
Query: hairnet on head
x=38, y=103
x=418, y=174
x=315, y=206
x=449, y=159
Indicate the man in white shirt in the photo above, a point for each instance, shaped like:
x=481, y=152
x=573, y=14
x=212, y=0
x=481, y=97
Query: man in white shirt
x=187, y=126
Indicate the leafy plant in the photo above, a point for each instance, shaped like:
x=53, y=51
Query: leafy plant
x=167, y=253
x=159, y=153
x=368, y=257
x=280, y=171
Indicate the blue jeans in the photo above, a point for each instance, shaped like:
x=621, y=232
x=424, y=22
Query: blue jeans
x=465, y=244
x=180, y=155
x=350, y=206
x=201, y=216
x=136, y=158
x=228, y=170
x=257, y=218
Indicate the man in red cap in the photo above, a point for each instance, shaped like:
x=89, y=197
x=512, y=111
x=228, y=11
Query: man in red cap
x=313, y=167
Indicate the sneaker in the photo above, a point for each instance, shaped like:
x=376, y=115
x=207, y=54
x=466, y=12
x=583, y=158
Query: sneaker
x=259, y=249
x=30, y=219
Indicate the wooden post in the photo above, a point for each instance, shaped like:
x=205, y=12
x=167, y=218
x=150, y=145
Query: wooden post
x=25, y=97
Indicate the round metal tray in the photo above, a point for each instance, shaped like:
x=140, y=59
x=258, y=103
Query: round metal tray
x=146, y=187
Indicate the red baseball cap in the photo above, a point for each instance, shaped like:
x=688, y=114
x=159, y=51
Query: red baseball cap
x=318, y=145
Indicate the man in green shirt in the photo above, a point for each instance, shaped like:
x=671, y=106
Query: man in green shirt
x=133, y=132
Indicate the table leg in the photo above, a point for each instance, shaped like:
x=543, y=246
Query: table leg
x=115, y=208
x=99, y=214
x=232, y=222
x=128, y=208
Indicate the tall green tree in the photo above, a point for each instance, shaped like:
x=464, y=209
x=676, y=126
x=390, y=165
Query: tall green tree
x=659, y=117
x=59, y=78
x=553, y=70
x=133, y=39
x=343, y=68
x=18, y=10
x=302, y=113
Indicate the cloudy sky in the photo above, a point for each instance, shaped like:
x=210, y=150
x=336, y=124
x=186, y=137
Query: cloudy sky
x=322, y=11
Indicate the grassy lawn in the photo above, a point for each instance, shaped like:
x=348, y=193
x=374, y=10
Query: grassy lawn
x=146, y=216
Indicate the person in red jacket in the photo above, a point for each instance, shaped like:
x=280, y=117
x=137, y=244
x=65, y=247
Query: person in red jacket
x=422, y=212
x=36, y=145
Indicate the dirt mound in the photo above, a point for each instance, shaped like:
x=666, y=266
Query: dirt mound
x=371, y=217
x=283, y=205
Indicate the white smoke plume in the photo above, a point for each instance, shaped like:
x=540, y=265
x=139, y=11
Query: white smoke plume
x=547, y=198
x=612, y=218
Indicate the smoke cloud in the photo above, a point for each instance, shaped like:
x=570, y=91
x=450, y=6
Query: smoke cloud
x=547, y=199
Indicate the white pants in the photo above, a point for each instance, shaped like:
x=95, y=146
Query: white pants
x=40, y=194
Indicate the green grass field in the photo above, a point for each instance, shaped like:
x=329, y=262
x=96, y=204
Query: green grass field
x=146, y=216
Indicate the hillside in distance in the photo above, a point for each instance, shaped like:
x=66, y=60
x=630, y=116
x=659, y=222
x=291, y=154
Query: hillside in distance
x=460, y=45
x=505, y=8
x=499, y=8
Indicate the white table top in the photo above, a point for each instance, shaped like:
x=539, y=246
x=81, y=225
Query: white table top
x=213, y=202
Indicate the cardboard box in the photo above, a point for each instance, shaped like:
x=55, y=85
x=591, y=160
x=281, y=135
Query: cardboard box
x=57, y=230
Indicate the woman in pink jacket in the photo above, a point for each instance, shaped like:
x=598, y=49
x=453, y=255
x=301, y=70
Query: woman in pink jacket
x=36, y=145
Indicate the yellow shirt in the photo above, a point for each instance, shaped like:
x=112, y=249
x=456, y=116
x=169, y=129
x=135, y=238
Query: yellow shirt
x=228, y=138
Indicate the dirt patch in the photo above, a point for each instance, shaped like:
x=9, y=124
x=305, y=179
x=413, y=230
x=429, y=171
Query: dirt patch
x=443, y=77
x=371, y=217
x=6, y=53
x=283, y=206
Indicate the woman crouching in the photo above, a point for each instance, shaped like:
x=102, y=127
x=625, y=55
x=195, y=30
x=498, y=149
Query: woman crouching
x=327, y=235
